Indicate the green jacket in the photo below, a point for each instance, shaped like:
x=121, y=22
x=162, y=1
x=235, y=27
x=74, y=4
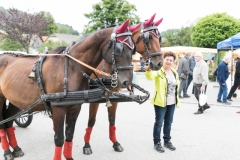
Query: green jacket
x=160, y=93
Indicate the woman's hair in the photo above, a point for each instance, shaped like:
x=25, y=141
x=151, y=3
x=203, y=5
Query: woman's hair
x=169, y=54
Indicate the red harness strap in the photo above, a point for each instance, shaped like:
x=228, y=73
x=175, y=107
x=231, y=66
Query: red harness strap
x=67, y=150
x=11, y=137
x=5, y=144
x=58, y=153
x=112, y=134
x=88, y=134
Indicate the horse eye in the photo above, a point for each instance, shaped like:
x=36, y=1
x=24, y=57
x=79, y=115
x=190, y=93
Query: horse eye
x=150, y=37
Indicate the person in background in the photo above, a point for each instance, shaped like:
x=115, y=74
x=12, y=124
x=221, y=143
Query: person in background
x=236, y=79
x=200, y=80
x=222, y=76
x=165, y=99
x=192, y=64
x=183, y=69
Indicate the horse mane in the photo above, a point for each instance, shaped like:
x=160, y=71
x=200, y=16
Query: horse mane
x=59, y=50
x=109, y=26
x=103, y=27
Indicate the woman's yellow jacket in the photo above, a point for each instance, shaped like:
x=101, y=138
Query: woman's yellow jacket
x=161, y=83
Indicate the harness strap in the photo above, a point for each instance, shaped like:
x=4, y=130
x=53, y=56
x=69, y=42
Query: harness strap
x=38, y=68
x=21, y=112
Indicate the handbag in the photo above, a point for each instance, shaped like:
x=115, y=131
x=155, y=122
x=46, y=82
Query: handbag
x=183, y=76
x=202, y=99
x=215, y=72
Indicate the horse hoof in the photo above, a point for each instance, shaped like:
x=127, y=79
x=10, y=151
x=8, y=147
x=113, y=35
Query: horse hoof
x=69, y=159
x=17, y=152
x=8, y=157
x=87, y=151
x=117, y=147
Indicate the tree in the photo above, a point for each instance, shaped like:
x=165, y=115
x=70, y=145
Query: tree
x=169, y=37
x=177, y=37
x=23, y=27
x=110, y=12
x=214, y=28
x=10, y=45
x=52, y=45
x=51, y=27
x=66, y=29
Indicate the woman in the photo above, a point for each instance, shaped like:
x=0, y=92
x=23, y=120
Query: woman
x=164, y=100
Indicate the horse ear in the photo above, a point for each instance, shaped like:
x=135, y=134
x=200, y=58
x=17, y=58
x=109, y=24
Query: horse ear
x=150, y=20
x=123, y=27
x=133, y=28
x=158, y=22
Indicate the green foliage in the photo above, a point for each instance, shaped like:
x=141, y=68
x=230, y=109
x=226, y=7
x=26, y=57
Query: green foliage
x=177, y=37
x=51, y=45
x=10, y=45
x=22, y=26
x=110, y=12
x=212, y=67
x=52, y=27
x=214, y=28
x=66, y=29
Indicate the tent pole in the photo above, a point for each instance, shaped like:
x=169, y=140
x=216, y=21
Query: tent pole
x=232, y=61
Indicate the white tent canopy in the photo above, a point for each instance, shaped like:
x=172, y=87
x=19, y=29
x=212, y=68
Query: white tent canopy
x=188, y=49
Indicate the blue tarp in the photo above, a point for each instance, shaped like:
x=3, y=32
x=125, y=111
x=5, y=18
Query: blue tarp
x=226, y=44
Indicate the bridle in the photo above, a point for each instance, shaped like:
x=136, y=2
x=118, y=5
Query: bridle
x=145, y=34
x=117, y=51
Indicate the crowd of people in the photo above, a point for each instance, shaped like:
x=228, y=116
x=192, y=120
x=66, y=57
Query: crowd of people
x=172, y=83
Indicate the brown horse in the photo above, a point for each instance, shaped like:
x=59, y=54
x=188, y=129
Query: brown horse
x=147, y=40
x=59, y=77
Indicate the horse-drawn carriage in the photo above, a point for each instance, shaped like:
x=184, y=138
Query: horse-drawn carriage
x=60, y=82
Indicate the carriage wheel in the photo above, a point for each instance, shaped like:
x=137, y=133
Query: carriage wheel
x=24, y=120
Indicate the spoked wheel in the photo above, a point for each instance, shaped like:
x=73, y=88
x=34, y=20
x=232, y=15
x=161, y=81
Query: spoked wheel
x=24, y=120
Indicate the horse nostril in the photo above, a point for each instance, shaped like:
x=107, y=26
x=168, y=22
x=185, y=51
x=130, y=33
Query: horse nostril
x=125, y=83
x=159, y=64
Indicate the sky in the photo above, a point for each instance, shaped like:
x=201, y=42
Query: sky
x=175, y=13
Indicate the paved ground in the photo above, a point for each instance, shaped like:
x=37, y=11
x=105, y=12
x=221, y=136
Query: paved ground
x=214, y=135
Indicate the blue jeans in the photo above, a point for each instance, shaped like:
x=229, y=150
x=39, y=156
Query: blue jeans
x=166, y=114
x=222, y=92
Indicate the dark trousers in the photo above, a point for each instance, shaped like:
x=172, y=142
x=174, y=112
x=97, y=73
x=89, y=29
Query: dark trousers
x=234, y=87
x=163, y=114
x=190, y=78
x=183, y=86
x=197, y=92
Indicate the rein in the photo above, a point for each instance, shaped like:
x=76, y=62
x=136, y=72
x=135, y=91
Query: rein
x=65, y=54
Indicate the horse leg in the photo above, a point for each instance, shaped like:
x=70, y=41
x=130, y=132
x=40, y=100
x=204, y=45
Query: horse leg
x=93, y=108
x=11, y=111
x=71, y=118
x=112, y=128
x=5, y=144
x=58, y=123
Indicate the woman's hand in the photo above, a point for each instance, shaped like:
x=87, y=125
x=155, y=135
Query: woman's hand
x=146, y=68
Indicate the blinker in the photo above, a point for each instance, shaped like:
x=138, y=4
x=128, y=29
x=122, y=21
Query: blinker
x=118, y=49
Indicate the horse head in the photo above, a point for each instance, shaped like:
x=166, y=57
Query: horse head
x=119, y=57
x=147, y=40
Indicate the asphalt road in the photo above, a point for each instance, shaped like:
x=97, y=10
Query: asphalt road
x=214, y=135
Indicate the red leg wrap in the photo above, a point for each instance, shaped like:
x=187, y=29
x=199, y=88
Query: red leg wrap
x=5, y=144
x=11, y=137
x=88, y=134
x=67, y=150
x=58, y=153
x=112, y=134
